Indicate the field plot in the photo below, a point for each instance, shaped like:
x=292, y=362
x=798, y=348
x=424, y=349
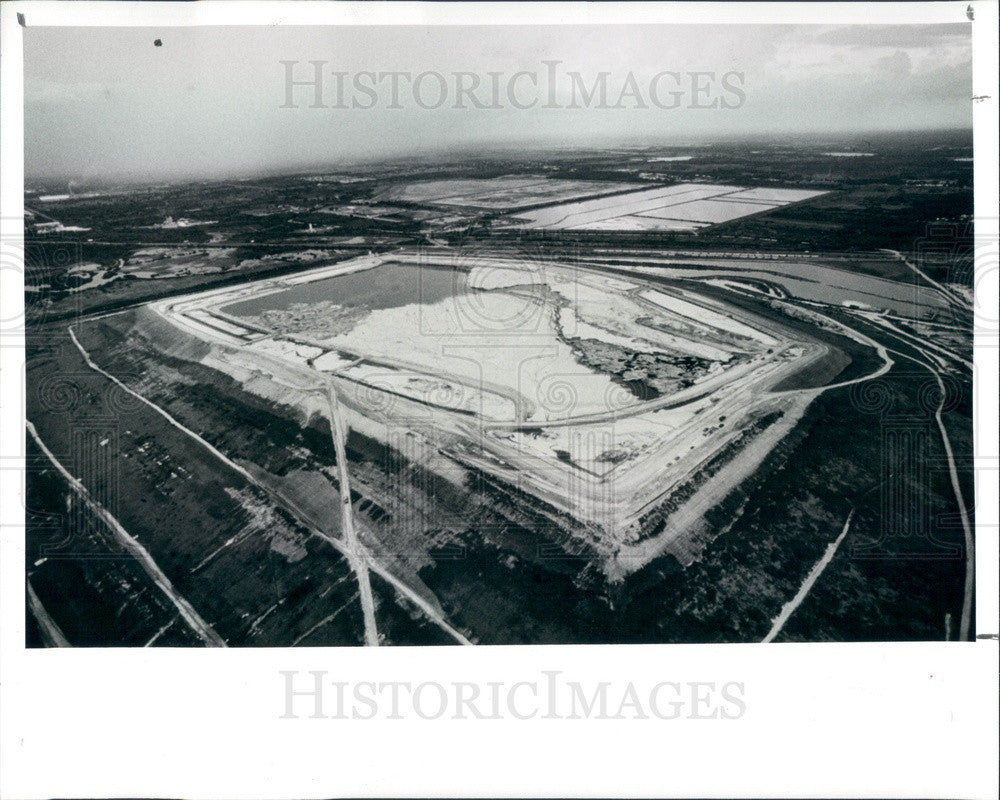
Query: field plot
x=640, y=222
x=600, y=398
x=503, y=193
x=779, y=196
x=682, y=207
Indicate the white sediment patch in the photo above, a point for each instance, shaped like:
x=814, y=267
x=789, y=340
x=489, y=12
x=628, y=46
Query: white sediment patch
x=648, y=340
x=491, y=343
x=292, y=351
x=430, y=389
x=331, y=361
x=706, y=315
x=599, y=448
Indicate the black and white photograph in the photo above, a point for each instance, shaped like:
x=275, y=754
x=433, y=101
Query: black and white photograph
x=406, y=335
x=396, y=361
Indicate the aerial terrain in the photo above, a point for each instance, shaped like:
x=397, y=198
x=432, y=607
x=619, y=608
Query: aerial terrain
x=697, y=392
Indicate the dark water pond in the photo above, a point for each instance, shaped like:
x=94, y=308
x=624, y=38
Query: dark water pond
x=386, y=286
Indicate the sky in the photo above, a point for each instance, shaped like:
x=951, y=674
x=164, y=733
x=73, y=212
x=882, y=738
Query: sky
x=108, y=104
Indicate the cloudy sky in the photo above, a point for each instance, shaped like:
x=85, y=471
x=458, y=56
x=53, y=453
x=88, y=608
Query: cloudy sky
x=106, y=102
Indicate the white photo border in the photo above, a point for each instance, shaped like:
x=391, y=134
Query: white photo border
x=878, y=719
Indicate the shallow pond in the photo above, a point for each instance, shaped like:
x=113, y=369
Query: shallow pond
x=389, y=285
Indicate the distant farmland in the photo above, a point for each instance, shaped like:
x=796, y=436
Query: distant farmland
x=684, y=206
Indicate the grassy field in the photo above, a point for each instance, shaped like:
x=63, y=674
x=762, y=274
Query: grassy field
x=185, y=506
